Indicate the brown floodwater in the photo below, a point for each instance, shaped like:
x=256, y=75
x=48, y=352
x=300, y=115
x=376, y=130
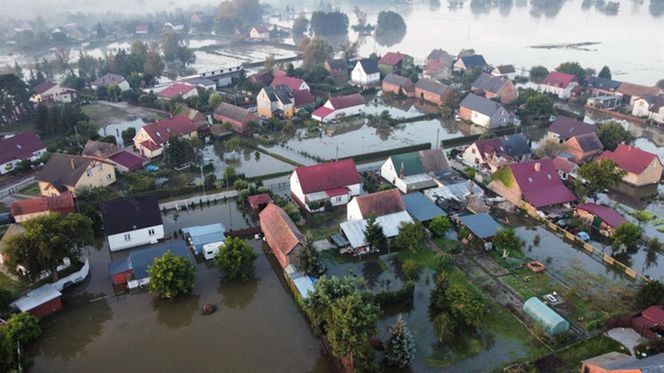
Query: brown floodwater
x=257, y=328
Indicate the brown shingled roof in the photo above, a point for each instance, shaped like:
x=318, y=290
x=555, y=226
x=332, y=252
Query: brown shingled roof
x=280, y=232
x=380, y=203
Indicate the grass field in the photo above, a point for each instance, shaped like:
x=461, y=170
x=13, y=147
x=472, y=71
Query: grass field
x=30, y=190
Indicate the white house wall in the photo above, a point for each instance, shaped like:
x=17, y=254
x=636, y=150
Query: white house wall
x=137, y=238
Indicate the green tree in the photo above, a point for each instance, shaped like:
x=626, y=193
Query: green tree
x=326, y=290
x=650, y=293
x=601, y=174
x=374, y=235
x=506, y=239
x=389, y=21
x=400, y=349
x=308, y=258
x=214, y=100
x=113, y=92
x=46, y=242
x=15, y=102
x=300, y=24
x=537, y=107
x=411, y=236
x=236, y=259
x=6, y=298
x=331, y=23
x=572, y=68
x=549, y=149
x=315, y=51
x=352, y=323
x=444, y=327
x=179, y=151
x=627, y=234
x=538, y=73
x=612, y=133
x=293, y=211
x=465, y=306
x=660, y=83
x=411, y=270
x=604, y=73
x=23, y=328
x=171, y=276
x=128, y=136
x=440, y=225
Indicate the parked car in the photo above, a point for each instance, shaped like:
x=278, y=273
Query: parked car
x=585, y=237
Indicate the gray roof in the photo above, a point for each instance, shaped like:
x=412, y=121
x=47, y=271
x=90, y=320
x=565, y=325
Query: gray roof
x=505, y=69
x=433, y=87
x=369, y=65
x=421, y=208
x=489, y=83
x=280, y=93
x=589, y=142
x=142, y=259
x=602, y=83
x=130, y=214
x=200, y=81
x=480, y=104
x=395, y=79
x=481, y=225
x=235, y=113
x=109, y=79
x=476, y=60
x=515, y=145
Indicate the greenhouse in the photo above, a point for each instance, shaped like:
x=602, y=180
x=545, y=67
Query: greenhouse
x=547, y=318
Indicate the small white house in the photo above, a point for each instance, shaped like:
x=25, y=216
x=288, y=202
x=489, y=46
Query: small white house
x=132, y=222
x=365, y=72
x=375, y=204
x=336, y=182
x=48, y=91
x=259, y=33
x=414, y=171
x=19, y=147
x=649, y=106
x=339, y=107
x=559, y=84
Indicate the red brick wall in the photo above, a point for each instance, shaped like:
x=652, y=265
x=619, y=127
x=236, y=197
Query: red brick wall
x=465, y=113
x=47, y=308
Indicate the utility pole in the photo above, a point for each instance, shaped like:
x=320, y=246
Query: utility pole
x=437, y=138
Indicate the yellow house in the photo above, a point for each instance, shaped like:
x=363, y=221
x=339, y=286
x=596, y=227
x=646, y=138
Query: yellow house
x=278, y=101
x=641, y=167
x=65, y=172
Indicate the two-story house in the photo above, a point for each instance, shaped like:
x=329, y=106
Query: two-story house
x=64, y=172
x=132, y=222
x=151, y=139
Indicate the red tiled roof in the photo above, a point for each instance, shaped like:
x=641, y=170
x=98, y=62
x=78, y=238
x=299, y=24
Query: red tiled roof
x=343, y=102
x=564, y=165
x=380, y=203
x=391, y=58
x=43, y=87
x=149, y=145
x=607, y=214
x=630, y=158
x=558, y=79
x=292, y=83
x=322, y=112
x=176, y=89
x=336, y=192
x=261, y=29
x=541, y=188
x=258, y=199
x=654, y=314
x=487, y=146
x=631, y=89
x=128, y=160
x=280, y=232
x=302, y=97
x=161, y=130
x=63, y=204
x=326, y=176
x=19, y=146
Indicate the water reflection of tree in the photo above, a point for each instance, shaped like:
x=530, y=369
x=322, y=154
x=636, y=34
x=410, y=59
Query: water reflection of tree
x=70, y=332
x=656, y=8
x=388, y=39
x=434, y=5
x=335, y=40
x=480, y=6
x=238, y=294
x=652, y=255
x=547, y=8
x=371, y=272
x=174, y=314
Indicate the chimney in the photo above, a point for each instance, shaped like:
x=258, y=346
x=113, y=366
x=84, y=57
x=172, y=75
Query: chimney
x=538, y=167
x=71, y=163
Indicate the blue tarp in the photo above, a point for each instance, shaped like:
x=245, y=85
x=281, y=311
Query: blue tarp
x=141, y=259
x=421, y=208
x=204, y=234
x=481, y=225
x=119, y=266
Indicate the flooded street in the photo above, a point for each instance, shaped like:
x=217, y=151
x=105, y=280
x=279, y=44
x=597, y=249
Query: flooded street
x=256, y=326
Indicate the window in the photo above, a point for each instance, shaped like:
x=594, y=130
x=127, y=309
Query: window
x=109, y=177
x=151, y=232
x=127, y=237
x=89, y=172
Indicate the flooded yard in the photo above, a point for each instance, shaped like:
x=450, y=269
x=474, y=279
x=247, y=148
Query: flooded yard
x=115, y=117
x=214, y=58
x=97, y=331
x=225, y=212
x=250, y=163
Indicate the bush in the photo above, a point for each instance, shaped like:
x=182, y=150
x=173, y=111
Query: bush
x=411, y=270
x=387, y=297
x=23, y=328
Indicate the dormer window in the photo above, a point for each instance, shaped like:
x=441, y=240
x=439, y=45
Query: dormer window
x=530, y=179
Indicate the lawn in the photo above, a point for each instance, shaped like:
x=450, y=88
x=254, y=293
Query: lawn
x=425, y=257
x=529, y=284
x=7, y=282
x=323, y=224
x=30, y=190
x=104, y=114
x=598, y=345
x=3, y=208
